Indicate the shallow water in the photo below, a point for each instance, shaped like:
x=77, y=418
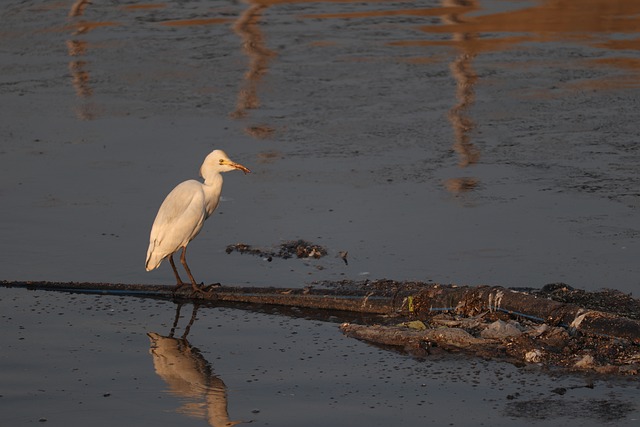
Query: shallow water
x=489, y=143
x=477, y=142
x=94, y=364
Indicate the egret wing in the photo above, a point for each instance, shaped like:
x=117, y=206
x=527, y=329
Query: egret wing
x=179, y=220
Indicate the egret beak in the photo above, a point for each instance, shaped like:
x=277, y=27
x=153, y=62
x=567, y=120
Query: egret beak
x=235, y=165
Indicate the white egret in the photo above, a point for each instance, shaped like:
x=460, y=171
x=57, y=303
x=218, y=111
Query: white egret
x=183, y=212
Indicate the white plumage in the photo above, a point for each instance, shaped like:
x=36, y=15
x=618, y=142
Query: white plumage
x=184, y=211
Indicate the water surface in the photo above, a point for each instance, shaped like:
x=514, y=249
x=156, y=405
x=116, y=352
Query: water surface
x=470, y=142
x=77, y=359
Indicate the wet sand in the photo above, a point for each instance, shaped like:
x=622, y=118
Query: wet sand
x=488, y=143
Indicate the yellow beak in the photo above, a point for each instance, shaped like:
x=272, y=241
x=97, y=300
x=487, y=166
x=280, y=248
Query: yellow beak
x=235, y=165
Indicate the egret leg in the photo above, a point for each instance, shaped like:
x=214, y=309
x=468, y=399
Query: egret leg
x=183, y=260
x=193, y=319
x=175, y=321
x=175, y=271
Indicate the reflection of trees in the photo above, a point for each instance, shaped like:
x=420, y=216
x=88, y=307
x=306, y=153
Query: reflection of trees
x=462, y=71
x=466, y=78
x=77, y=8
x=189, y=375
x=80, y=77
x=551, y=21
x=254, y=46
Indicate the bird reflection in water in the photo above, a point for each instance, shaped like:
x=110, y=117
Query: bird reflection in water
x=189, y=375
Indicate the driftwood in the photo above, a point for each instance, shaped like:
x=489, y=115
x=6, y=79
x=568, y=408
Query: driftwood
x=472, y=301
x=415, y=300
x=521, y=327
x=448, y=338
x=323, y=299
x=549, y=347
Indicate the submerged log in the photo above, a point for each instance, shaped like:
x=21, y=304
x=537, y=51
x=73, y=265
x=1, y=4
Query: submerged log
x=360, y=301
x=453, y=318
x=415, y=300
x=546, y=347
x=444, y=337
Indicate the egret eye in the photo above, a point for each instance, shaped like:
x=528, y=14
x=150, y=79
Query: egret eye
x=221, y=161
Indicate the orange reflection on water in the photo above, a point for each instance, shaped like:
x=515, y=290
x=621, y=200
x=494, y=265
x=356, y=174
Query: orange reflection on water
x=461, y=185
x=84, y=27
x=553, y=19
x=260, y=131
x=144, y=6
x=76, y=47
x=591, y=22
x=476, y=44
x=631, y=63
x=80, y=78
x=281, y=2
x=462, y=124
x=584, y=21
x=78, y=7
x=79, y=69
x=624, y=81
x=255, y=48
x=433, y=11
x=632, y=44
x=191, y=22
x=466, y=78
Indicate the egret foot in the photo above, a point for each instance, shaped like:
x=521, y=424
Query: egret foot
x=198, y=288
x=194, y=291
x=180, y=285
x=202, y=291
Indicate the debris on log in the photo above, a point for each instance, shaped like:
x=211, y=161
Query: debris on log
x=470, y=301
x=520, y=326
x=543, y=345
x=606, y=300
x=413, y=299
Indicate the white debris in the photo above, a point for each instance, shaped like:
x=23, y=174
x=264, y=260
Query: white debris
x=500, y=330
x=533, y=356
x=585, y=362
x=495, y=301
x=536, y=332
x=578, y=320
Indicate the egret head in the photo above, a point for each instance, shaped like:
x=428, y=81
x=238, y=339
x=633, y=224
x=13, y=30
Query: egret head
x=217, y=161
